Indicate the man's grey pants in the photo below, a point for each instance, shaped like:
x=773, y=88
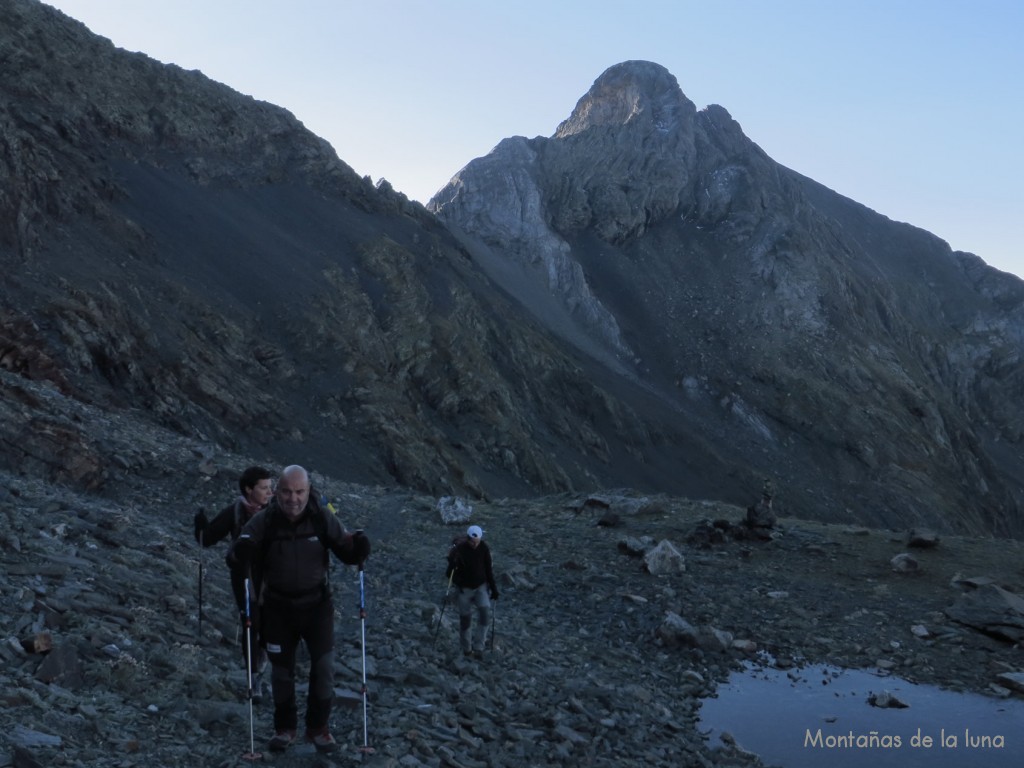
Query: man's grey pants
x=468, y=598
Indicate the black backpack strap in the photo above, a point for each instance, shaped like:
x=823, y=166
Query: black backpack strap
x=319, y=517
x=270, y=532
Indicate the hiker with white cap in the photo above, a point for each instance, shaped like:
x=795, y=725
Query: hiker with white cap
x=470, y=570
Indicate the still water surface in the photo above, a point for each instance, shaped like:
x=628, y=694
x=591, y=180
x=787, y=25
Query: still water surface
x=820, y=715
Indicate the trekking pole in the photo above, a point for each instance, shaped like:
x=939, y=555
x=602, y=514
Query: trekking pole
x=490, y=642
x=252, y=754
x=366, y=748
x=199, y=540
x=444, y=604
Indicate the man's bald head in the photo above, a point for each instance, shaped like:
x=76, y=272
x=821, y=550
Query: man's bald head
x=293, y=491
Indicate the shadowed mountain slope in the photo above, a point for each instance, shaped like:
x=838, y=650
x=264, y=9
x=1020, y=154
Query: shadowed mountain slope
x=182, y=252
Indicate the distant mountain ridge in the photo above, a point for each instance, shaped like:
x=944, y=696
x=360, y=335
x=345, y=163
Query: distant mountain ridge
x=643, y=300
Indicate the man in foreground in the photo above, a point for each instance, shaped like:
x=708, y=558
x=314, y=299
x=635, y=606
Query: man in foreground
x=291, y=540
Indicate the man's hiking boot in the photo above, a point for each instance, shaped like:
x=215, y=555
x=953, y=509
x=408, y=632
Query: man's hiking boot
x=321, y=739
x=281, y=741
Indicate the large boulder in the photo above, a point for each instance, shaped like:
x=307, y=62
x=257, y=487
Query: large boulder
x=992, y=610
x=664, y=559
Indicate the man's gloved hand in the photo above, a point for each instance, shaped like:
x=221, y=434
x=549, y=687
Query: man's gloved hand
x=200, y=523
x=240, y=554
x=360, y=546
x=494, y=593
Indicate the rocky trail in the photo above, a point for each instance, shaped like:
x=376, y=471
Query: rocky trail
x=595, y=660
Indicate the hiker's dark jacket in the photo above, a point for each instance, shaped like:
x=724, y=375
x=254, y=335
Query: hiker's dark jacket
x=229, y=522
x=291, y=557
x=472, y=567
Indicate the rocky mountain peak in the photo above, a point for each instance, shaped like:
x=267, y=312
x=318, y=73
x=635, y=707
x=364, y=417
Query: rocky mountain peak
x=630, y=92
x=743, y=292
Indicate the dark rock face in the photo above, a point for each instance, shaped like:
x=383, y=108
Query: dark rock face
x=860, y=361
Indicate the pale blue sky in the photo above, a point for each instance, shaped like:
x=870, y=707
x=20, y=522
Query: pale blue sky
x=914, y=108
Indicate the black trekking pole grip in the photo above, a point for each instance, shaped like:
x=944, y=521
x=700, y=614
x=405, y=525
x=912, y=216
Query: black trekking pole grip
x=361, y=567
x=362, y=596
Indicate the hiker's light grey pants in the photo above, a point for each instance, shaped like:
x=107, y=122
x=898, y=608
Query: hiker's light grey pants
x=481, y=600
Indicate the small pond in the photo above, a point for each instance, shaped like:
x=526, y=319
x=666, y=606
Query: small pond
x=820, y=715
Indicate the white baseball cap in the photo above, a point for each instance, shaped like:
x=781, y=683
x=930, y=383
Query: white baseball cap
x=475, y=532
